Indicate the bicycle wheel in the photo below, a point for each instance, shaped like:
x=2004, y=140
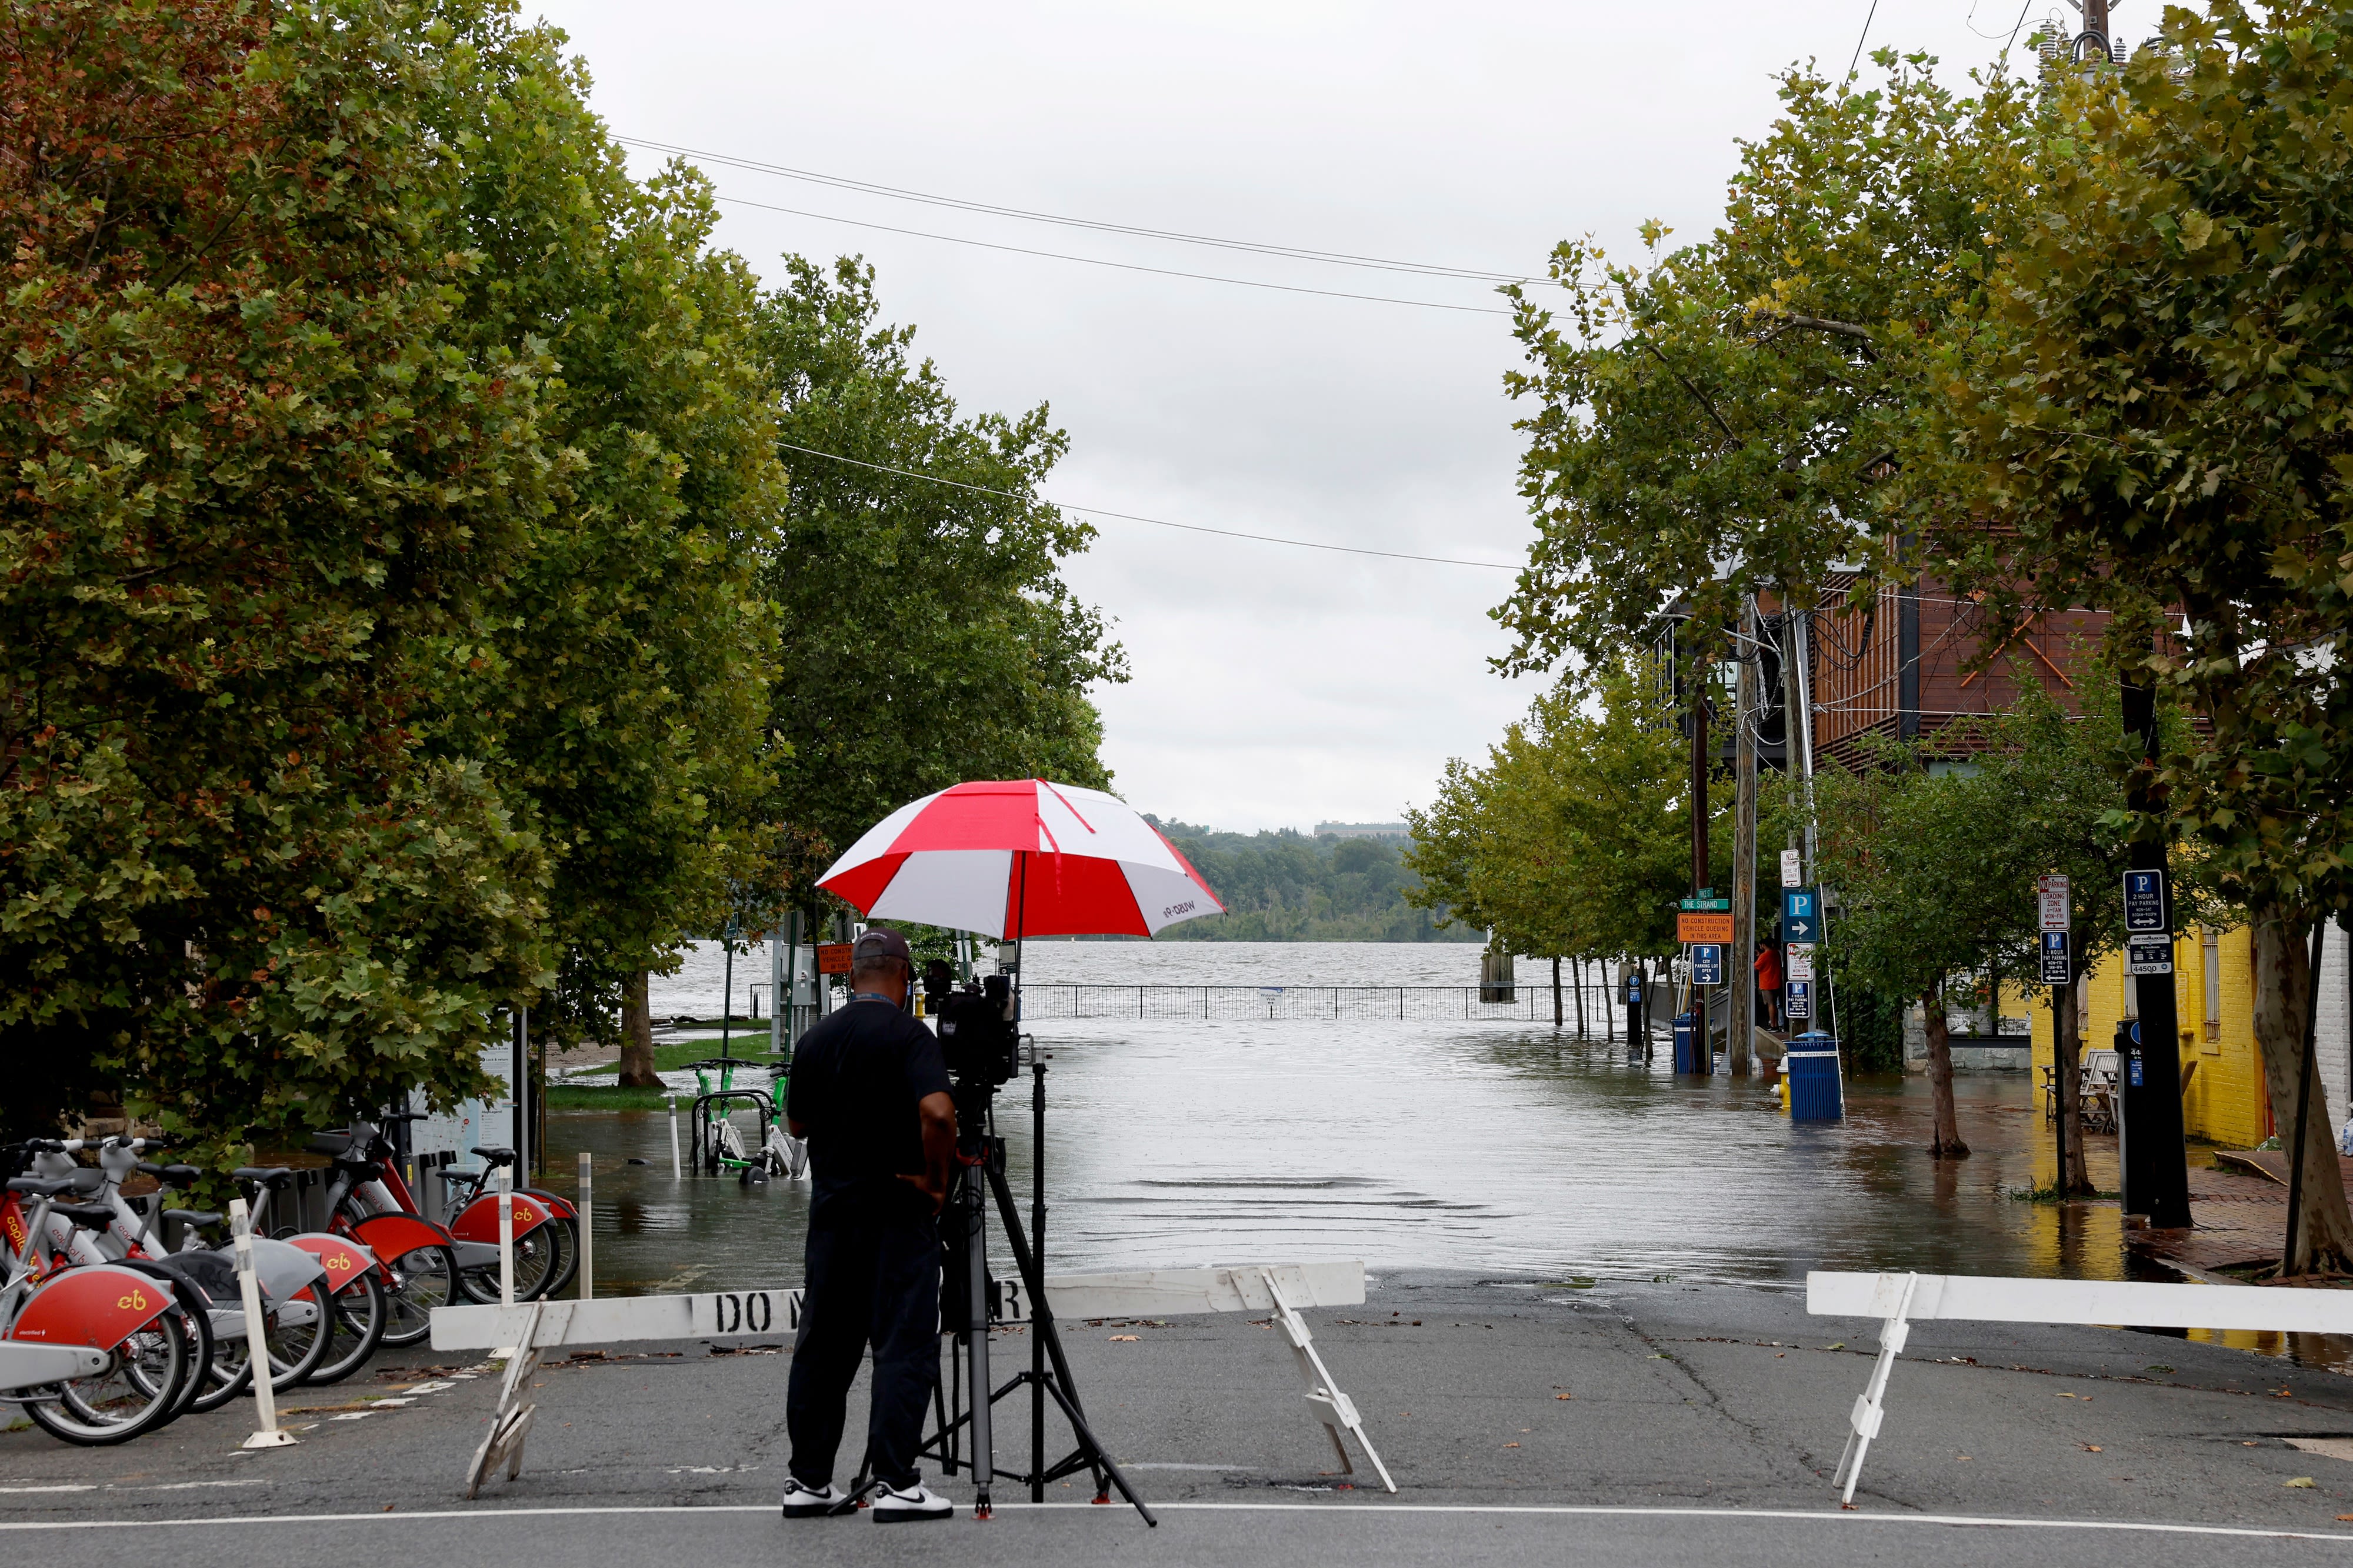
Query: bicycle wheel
x=534, y=1269
x=565, y=1237
x=114, y=1406
x=360, y=1314
x=146, y=1366
x=228, y=1375
x=299, y=1330
x=423, y=1278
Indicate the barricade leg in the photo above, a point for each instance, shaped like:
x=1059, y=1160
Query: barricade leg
x=257, y=1338
x=503, y=1445
x=1862, y=1422
x=1333, y=1408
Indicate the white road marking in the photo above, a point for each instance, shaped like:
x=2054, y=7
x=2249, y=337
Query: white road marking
x=91, y=1488
x=1005, y=1511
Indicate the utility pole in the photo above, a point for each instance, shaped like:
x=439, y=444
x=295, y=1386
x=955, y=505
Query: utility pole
x=2156, y=1165
x=1702, y=1046
x=1738, y=970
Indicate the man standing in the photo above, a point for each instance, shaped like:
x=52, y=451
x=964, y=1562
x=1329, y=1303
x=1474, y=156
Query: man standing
x=1768, y=984
x=870, y=1093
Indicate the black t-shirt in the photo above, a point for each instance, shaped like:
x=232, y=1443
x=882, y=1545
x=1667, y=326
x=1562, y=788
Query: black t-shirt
x=857, y=1077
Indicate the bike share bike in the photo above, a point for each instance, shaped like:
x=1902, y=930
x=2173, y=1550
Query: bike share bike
x=430, y=1265
x=316, y=1289
x=980, y=1038
x=719, y=1143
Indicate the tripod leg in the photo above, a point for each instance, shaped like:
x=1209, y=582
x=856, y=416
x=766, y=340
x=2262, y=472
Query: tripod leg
x=1086, y=1437
x=1061, y=1386
x=984, y=1454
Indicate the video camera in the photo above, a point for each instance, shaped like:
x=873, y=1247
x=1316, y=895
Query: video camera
x=979, y=1033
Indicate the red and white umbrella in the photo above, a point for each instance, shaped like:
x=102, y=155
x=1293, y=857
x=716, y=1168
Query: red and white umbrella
x=1017, y=857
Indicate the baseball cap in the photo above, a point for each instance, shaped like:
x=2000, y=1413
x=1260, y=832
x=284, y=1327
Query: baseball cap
x=878, y=942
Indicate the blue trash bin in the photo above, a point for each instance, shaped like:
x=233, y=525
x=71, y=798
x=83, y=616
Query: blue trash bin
x=1686, y=1026
x=1813, y=1065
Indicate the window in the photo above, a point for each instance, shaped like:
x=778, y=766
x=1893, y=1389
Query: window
x=2211, y=944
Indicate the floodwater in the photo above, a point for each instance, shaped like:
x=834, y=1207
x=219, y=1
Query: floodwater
x=1510, y=1149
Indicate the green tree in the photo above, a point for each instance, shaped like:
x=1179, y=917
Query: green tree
x=927, y=636
x=1573, y=839
x=1722, y=419
x=1937, y=869
x=2152, y=405
x=623, y=692
x=263, y=474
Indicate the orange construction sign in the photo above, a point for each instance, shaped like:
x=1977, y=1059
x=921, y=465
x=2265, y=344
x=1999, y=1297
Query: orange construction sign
x=1703, y=927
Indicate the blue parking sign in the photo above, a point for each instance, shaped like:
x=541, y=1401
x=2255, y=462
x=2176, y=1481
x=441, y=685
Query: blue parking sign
x=1707, y=964
x=1801, y=914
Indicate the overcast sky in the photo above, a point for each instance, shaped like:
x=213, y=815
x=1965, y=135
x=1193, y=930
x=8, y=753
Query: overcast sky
x=1273, y=686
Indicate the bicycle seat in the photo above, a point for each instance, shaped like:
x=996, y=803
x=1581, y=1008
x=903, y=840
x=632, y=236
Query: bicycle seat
x=42, y=1187
x=191, y=1216
x=88, y=1216
x=329, y=1142
x=497, y=1156
x=175, y=1176
x=268, y=1176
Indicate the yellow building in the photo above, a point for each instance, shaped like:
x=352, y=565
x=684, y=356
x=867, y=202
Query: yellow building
x=2222, y=1097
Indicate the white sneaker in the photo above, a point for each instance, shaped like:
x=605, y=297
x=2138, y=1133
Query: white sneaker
x=811, y=1502
x=893, y=1505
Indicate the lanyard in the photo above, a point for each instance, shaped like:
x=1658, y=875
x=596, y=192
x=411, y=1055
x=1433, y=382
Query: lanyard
x=871, y=996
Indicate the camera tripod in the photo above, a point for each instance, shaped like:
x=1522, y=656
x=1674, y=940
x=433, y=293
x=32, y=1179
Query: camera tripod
x=970, y=1303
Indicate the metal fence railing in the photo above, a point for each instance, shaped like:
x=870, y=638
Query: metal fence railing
x=1410, y=1003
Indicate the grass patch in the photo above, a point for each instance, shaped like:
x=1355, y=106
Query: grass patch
x=611, y=1097
x=2051, y=1194
x=675, y=1055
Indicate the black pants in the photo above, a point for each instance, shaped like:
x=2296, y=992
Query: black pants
x=865, y=1283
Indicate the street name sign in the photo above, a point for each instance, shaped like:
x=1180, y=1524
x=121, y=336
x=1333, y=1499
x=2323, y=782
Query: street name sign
x=2051, y=902
x=1706, y=903
x=1801, y=960
x=2145, y=904
x=1707, y=964
x=1801, y=914
x=2057, y=968
x=2148, y=956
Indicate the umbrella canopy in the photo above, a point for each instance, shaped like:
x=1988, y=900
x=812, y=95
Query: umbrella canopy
x=1017, y=857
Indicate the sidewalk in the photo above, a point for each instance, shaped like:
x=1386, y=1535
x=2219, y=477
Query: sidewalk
x=2238, y=1211
x=1672, y=1410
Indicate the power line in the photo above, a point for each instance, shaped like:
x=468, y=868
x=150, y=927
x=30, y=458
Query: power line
x=1121, y=265
x=1260, y=248
x=1131, y=516
x=1859, y=40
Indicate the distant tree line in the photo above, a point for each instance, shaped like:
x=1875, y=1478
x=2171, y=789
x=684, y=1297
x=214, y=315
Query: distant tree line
x=1285, y=886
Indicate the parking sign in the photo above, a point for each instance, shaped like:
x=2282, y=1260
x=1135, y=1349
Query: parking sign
x=1707, y=964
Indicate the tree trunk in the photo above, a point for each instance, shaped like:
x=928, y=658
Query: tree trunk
x=1579, y=967
x=1947, y=1144
x=637, y=1037
x=2324, y=1239
x=1555, y=992
x=2067, y=1056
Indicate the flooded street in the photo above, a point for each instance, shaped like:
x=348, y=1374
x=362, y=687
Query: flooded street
x=1467, y=1146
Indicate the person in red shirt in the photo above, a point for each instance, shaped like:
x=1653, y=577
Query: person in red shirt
x=1768, y=984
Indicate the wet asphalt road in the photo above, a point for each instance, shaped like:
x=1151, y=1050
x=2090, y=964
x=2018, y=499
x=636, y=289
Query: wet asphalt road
x=1700, y=1427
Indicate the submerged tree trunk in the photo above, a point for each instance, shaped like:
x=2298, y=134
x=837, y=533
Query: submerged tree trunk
x=2067, y=1056
x=637, y=1037
x=2324, y=1240
x=1947, y=1144
x=1579, y=965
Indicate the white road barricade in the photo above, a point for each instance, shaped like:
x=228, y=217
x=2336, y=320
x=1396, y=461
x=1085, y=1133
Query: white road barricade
x=1901, y=1300
x=530, y=1328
